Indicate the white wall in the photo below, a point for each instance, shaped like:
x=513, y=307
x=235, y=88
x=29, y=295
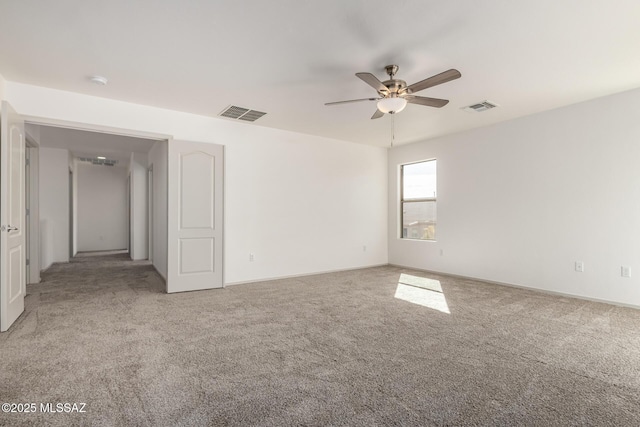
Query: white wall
x=138, y=217
x=2, y=84
x=300, y=203
x=54, y=206
x=520, y=202
x=103, y=218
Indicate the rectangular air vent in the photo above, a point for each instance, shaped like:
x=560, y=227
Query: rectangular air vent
x=481, y=106
x=101, y=162
x=239, y=113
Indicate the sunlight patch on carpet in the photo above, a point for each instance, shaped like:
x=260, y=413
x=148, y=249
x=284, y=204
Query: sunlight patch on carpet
x=422, y=291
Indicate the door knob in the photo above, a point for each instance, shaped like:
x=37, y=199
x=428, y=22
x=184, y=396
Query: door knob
x=8, y=228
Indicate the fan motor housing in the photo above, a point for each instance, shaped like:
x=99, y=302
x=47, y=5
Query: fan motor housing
x=395, y=85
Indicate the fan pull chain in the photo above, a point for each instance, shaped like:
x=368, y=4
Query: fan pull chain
x=393, y=129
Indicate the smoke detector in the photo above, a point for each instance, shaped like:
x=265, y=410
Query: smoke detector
x=99, y=80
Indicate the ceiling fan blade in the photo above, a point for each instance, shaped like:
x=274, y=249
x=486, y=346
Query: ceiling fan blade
x=429, y=102
x=351, y=100
x=372, y=81
x=438, y=79
x=377, y=114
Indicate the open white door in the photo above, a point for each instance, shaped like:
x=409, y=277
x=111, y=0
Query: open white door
x=195, y=216
x=12, y=216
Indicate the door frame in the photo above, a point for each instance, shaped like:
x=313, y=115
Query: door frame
x=33, y=224
x=129, y=216
x=150, y=213
x=71, y=218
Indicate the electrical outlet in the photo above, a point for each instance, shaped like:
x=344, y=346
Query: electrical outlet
x=625, y=271
x=580, y=266
x=364, y=248
x=441, y=252
x=251, y=257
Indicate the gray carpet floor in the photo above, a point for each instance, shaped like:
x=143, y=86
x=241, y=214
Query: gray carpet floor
x=351, y=348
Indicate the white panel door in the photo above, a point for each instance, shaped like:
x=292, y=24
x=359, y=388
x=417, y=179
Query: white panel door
x=195, y=216
x=12, y=216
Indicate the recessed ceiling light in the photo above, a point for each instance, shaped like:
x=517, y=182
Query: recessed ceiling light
x=99, y=80
x=101, y=158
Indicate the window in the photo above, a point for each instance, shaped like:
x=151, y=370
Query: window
x=418, y=200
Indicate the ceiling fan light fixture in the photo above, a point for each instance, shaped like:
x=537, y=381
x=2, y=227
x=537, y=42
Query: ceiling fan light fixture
x=392, y=105
x=394, y=94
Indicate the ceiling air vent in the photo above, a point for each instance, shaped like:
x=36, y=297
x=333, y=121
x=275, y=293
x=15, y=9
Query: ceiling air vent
x=239, y=113
x=481, y=106
x=94, y=161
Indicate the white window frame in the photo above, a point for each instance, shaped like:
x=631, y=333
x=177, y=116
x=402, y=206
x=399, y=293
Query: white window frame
x=417, y=200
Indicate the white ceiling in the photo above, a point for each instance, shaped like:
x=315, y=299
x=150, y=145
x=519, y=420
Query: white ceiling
x=289, y=57
x=83, y=143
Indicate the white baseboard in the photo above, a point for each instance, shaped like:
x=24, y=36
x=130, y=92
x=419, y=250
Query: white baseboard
x=529, y=288
x=53, y=263
x=159, y=273
x=268, y=279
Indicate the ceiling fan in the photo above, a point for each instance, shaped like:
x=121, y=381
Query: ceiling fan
x=394, y=94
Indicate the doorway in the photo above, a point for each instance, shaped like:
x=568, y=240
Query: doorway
x=188, y=212
x=104, y=203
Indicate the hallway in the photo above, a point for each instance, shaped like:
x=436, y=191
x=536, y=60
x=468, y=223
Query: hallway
x=112, y=282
